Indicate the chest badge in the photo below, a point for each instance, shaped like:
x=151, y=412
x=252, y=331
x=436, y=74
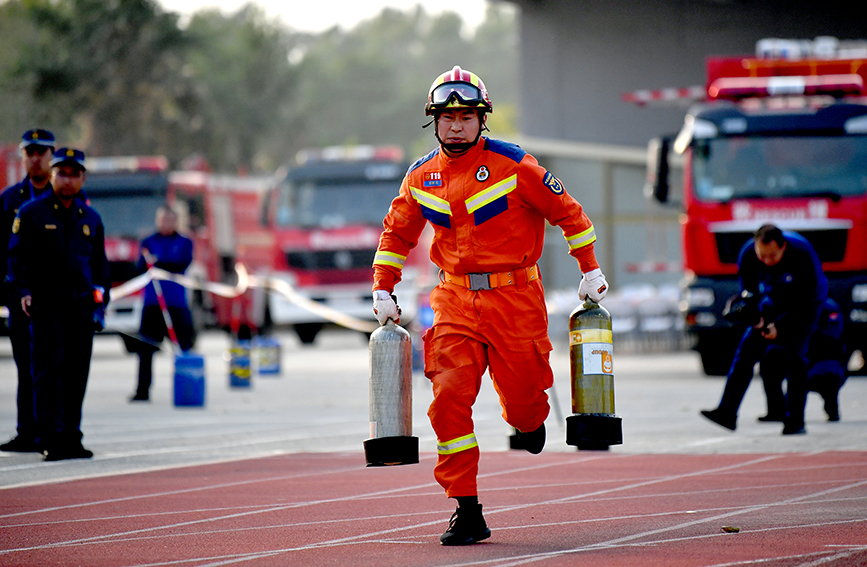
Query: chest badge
x=482, y=173
x=86, y=230
x=433, y=179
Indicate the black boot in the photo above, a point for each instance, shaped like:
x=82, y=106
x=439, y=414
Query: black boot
x=466, y=526
x=532, y=442
x=721, y=418
x=831, y=408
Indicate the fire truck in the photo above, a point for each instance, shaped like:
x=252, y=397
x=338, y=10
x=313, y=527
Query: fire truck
x=11, y=168
x=11, y=172
x=126, y=192
x=223, y=214
x=780, y=137
x=326, y=217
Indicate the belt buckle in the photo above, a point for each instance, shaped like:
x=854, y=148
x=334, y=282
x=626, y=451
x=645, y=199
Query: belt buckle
x=479, y=281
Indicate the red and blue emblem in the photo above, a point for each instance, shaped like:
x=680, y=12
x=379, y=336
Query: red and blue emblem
x=433, y=179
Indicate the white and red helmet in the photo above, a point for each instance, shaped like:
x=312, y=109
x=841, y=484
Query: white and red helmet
x=457, y=88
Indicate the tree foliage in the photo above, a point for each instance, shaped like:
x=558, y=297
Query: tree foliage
x=123, y=77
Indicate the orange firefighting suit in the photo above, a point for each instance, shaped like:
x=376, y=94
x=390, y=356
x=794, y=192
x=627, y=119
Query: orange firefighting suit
x=488, y=209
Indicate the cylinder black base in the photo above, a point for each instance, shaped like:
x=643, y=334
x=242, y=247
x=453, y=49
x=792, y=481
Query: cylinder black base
x=593, y=431
x=388, y=451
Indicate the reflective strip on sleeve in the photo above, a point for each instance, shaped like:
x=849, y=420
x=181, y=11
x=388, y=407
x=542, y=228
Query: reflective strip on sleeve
x=581, y=239
x=457, y=445
x=491, y=193
x=389, y=259
x=431, y=201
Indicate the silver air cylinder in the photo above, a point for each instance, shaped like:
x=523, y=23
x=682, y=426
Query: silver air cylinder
x=391, y=441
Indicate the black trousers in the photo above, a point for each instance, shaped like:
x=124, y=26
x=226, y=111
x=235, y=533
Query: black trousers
x=62, y=345
x=19, y=336
x=751, y=350
x=153, y=326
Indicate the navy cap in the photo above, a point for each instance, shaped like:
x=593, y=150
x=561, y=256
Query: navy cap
x=37, y=137
x=68, y=156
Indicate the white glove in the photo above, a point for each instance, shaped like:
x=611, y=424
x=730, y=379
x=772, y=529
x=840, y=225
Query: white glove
x=384, y=307
x=593, y=284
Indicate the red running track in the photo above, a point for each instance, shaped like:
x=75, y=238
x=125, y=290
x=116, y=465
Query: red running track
x=556, y=509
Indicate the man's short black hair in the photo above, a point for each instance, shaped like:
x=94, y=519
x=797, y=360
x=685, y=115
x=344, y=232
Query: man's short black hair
x=770, y=233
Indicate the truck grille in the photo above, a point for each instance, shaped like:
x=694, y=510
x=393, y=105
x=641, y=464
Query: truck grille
x=830, y=245
x=331, y=259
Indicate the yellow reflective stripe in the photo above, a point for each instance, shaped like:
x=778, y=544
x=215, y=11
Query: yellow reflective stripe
x=389, y=259
x=474, y=79
x=581, y=239
x=591, y=336
x=431, y=201
x=457, y=445
x=492, y=193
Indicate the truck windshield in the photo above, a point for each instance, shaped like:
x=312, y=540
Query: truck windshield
x=126, y=202
x=775, y=167
x=334, y=205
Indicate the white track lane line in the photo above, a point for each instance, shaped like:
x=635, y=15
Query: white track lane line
x=360, y=537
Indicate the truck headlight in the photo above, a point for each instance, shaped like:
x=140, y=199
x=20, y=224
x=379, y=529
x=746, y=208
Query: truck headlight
x=858, y=316
x=859, y=293
x=699, y=297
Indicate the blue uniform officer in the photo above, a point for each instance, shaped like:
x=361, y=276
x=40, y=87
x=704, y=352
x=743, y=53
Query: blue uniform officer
x=172, y=252
x=37, y=146
x=827, y=370
x=784, y=271
x=58, y=268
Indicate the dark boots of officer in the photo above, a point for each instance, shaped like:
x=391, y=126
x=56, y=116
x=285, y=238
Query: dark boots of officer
x=467, y=524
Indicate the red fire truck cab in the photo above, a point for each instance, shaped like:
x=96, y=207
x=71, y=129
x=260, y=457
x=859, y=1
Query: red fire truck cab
x=780, y=141
x=327, y=217
x=126, y=192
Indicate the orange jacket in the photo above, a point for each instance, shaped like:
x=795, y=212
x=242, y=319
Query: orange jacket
x=488, y=209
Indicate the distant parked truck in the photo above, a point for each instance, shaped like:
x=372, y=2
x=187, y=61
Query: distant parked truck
x=778, y=138
x=126, y=192
x=223, y=215
x=326, y=217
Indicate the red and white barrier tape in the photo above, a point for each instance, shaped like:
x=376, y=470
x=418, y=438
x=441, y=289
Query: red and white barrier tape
x=245, y=282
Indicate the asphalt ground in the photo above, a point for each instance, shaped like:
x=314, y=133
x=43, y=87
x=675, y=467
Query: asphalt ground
x=319, y=403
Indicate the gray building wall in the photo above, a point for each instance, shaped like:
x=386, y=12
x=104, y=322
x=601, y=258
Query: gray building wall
x=578, y=57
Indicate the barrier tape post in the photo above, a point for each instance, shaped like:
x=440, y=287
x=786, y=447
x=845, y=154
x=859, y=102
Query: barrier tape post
x=150, y=260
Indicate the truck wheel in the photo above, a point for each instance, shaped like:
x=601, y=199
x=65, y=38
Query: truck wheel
x=307, y=332
x=716, y=361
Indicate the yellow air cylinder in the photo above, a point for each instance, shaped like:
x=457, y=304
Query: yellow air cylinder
x=592, y=425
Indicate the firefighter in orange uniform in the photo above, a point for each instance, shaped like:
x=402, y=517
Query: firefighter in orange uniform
x=487, y=201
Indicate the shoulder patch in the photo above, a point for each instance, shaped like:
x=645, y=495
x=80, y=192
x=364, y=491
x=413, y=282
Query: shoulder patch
x=552, y=183
x=421, y=161
x=509, y=150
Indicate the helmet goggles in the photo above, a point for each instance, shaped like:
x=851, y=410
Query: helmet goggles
x=466, y=94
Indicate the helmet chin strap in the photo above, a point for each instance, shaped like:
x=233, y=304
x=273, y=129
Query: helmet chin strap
x=457, y=148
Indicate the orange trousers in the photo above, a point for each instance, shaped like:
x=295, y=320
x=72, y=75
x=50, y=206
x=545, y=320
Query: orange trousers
x=504, y=331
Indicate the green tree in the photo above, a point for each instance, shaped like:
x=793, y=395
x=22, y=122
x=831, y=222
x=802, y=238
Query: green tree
x=109, y=72
x=246, y=85
x=123, y=77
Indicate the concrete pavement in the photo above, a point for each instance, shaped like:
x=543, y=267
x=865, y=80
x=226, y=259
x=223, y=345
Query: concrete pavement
x=320, y=404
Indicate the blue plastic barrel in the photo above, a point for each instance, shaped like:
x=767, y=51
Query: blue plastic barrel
x=239, y=365
x=267, y=356
x=189, y=379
